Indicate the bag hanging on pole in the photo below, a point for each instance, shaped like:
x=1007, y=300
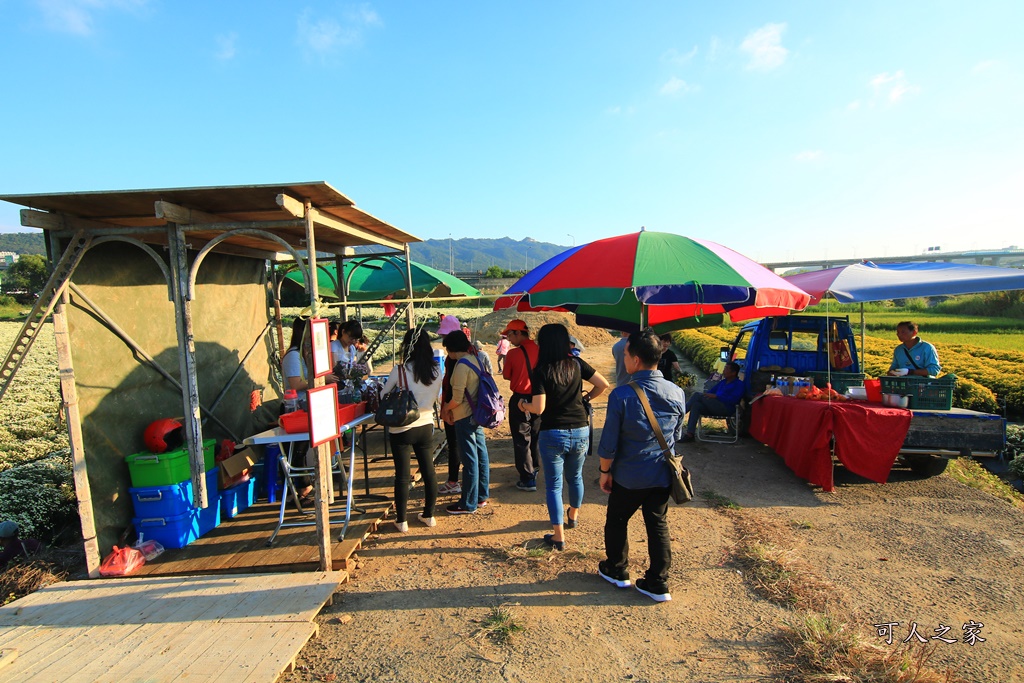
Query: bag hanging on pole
x=839, y=351
x=679, y=482
x=398, y=407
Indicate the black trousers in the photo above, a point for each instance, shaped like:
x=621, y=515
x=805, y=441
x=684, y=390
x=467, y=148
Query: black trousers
x=418, y=440
x=622, y=504
x=525, y=445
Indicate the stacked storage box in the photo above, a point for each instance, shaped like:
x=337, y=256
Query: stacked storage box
x=162, y=495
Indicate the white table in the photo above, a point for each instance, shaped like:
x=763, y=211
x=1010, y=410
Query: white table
x=280, y=437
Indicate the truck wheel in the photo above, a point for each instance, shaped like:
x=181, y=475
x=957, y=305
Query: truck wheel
x=927, y=465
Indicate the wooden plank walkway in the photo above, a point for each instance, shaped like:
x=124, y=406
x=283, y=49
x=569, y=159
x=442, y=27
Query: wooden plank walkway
x=205, y=628
x=239, y=545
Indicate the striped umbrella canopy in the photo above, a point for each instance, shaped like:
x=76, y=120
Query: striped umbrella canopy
x=656, y=279
x=374, y=278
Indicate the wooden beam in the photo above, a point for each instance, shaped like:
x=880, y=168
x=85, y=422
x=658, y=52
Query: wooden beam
x=73, y=417
x=31, y=218
x=369, y=236
x=295, y=208
x=187, y=365
x=321, y=491
x=182, y=215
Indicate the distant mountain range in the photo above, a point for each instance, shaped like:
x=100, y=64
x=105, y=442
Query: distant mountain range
x=461, y=255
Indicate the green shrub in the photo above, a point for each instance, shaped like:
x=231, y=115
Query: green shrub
x=40, y=497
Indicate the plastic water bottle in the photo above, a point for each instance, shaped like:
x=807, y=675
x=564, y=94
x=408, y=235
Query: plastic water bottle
x=291, y=401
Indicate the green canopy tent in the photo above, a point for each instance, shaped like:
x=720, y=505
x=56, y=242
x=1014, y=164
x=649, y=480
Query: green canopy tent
x=378, y=277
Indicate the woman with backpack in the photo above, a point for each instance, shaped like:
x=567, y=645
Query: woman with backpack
x=457, y=411
x=564, y=428
x=422, y=375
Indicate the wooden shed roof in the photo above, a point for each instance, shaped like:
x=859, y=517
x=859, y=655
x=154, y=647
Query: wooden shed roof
x=338, y=223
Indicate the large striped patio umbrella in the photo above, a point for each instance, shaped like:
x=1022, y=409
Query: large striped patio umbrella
x=656, y=279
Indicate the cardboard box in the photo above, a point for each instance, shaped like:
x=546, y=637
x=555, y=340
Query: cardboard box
x=233, y=469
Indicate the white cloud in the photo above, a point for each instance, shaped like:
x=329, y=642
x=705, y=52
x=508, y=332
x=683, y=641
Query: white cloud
x=713, y=45
x=325, y=35
x=987, y=65
x=808, y=155
x=853, y=106
x=893, y=87
x=78, y=16
x=765, y=47
x=673, y=56
x=227, y=46
x=619, y=110
x=676, y=86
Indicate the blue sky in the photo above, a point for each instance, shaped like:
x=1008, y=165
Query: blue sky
x=783, y=130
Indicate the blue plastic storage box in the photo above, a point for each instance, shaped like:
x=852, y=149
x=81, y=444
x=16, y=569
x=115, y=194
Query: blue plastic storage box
x=177, y=531
x=237, y=498
x=169, y=501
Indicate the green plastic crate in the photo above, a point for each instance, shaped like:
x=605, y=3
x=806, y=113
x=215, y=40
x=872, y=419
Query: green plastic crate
x=165, y=469
x=926, y=393
x=841, y=381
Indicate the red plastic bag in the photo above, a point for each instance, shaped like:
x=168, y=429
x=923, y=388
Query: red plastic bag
x=838, y=350
x=122, y=561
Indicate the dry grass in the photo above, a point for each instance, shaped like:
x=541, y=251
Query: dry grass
x=43, y=569
x=821, y=644
x=765, y=551
x=823, y=648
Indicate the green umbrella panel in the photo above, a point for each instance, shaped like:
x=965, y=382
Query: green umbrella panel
x=379, y=277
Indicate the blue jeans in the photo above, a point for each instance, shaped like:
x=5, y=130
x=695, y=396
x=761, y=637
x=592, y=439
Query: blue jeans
x=476, y=465
x=563, y=451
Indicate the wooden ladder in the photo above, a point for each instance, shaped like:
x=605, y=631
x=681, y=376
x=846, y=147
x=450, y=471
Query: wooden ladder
x=48, y=298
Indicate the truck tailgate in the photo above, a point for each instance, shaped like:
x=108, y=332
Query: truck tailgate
x=957, y=429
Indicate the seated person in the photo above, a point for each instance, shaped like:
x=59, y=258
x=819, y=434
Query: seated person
x=913, y=354
x=14, y=547
x=718, y=403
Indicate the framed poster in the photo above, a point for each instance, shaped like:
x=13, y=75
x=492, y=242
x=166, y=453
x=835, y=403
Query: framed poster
x=320, y=335
x=323, y=414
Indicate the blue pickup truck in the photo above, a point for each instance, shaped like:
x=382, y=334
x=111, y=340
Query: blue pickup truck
x=798, y=345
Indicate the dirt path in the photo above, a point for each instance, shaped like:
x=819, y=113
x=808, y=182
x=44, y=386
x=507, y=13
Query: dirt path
x=927, y=551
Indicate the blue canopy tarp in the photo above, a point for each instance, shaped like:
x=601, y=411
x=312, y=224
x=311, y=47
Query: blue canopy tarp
x=863, y=282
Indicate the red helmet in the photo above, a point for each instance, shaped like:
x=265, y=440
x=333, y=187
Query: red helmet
x=163, y=435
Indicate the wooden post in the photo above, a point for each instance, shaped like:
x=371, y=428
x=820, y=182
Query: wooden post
x=410, y=314
x=187, y=362
x=323, y=455
x=69, y=391
x=276, y=294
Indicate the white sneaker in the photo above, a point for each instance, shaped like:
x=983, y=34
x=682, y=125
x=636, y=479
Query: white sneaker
x=427, y=521
x=403, y=527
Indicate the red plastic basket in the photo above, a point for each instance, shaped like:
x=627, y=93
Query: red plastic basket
x=350, y=411
x=294, y=423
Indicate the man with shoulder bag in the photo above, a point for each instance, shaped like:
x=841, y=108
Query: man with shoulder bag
x=634, y=469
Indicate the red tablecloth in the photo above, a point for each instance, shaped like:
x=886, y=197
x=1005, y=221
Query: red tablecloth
x=868, y=436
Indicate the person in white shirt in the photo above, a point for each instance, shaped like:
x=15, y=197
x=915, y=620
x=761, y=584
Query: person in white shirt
x=423, y=377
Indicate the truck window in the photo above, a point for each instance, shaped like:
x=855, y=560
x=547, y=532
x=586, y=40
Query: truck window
x=778, y=341
x=805, y=341
x=739, y=350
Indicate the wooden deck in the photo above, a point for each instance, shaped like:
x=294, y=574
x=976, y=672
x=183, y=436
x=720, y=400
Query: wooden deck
x=211, y=628
x=239, y=545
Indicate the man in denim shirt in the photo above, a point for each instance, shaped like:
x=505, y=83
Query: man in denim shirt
x=633, y=469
